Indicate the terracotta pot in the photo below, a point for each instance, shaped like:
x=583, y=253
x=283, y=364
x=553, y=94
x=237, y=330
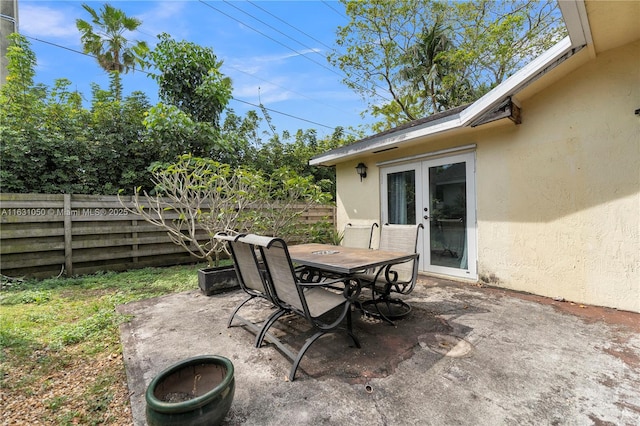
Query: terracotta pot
x=196, y=391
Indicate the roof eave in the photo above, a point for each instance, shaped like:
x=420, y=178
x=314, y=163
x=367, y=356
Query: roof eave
x=517, y=81
x=384, y=142
x=467, y=117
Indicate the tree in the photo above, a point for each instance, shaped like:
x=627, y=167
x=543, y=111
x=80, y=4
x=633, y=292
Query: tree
x=106, y=40
x=120, y=147
x=198, y=194
x=190, y=79
x=193, y=194
x=494, y=39
x=50, y=143
x=42, y=144
x=193, y=94
x=283, y=197
x=412, y=58
x=426, y=71
x=20, y=97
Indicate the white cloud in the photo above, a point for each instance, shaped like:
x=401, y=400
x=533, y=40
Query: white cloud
x=164, y=10
x=42, y=21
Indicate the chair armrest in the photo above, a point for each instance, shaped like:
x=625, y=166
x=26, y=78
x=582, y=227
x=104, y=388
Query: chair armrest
x=351, y=289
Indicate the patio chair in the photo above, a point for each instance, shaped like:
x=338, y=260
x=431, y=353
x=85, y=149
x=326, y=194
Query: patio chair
x=250, y=278
x=396, y=279
x=359, y=236
x=324, y=308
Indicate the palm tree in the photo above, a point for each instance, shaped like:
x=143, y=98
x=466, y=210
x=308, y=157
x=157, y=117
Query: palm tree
x=106, y=41
x=426, y=69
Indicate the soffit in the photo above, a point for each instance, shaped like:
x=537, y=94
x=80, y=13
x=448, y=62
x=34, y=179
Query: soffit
x=613, y=23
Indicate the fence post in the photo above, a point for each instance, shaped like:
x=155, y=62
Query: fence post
x=134, y=236
x=68, y=248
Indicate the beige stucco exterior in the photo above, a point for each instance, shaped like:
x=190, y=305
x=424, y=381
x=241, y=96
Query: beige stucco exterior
x=558, y=196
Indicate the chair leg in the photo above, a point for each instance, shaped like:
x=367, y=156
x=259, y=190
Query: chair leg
x=267, y=325
x=380, y=314
x=308, y=343
x=375, y=299
x=236, y=311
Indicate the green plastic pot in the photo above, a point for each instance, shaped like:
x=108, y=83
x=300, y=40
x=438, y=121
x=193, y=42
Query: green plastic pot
x=196, y=391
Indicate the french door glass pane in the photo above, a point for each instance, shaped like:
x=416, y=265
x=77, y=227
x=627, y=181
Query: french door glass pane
x=401, y=196
x=448, y=207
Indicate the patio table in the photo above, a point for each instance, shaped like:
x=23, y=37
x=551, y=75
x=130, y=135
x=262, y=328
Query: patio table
x=334, y=260
x=344, y=260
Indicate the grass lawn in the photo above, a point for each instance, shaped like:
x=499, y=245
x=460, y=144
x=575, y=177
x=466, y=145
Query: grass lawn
x=61, y=359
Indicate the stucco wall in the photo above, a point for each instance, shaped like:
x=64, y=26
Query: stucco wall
x=558, y=196
x=357, y=202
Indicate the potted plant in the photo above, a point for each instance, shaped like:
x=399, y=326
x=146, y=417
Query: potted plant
x=195, y=198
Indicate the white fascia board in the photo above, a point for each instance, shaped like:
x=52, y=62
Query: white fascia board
x=511, y=85
x=574, y=14
x=386, y=141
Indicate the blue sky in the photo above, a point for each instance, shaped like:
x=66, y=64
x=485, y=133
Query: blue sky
x=274, y=51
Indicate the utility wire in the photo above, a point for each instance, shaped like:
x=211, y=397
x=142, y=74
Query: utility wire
x=288, y=115
x=284, y=88
x=81, y=53
x=334, y=9
x=269, y=37
x=150, y=74
x=289, y=37
x=289, y=25
x=373, y=83
x=289, y=48
x=274, y=29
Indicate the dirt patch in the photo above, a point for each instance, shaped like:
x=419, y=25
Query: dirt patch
x=625, y=355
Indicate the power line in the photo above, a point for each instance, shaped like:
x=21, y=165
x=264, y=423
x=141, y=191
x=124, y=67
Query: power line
x=149, y=73
x=289, y=25
x=373, y=83
x=374, y=93
x=311, y=37
x=269, y=37
x=273, y=28
x=289, y=37
x=285, y=88
x=284, y=113
x=79, y=52
x=334, y=9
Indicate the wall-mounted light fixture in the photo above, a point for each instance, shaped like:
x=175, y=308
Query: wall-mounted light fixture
x=361, y=168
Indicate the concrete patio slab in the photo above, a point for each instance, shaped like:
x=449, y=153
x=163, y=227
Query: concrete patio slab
x=466, y=355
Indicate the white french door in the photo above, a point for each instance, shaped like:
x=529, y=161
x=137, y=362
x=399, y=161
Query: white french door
x=440, y=194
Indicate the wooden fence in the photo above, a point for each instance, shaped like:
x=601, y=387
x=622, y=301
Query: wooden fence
x=44, y=235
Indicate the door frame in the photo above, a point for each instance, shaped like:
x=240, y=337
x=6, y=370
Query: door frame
x=421, y=166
